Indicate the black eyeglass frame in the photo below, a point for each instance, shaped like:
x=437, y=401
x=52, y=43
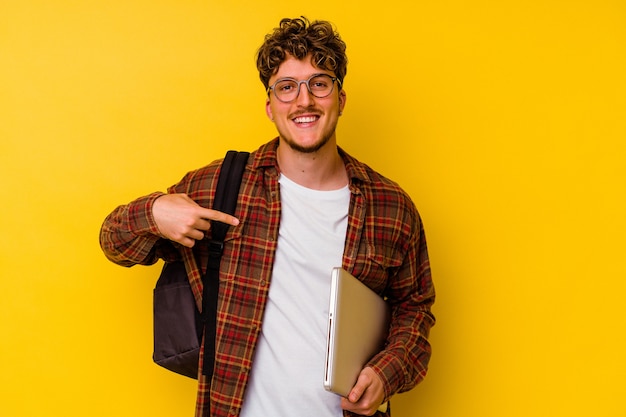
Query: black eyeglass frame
x=305, y=82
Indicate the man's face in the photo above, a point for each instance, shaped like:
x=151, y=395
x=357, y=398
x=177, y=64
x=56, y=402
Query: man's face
x=307, y=123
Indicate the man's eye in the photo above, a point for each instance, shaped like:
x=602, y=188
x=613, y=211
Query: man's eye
x=285, y=88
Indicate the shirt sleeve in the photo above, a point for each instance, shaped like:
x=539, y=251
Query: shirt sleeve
x=404, y=361
x=130, y=236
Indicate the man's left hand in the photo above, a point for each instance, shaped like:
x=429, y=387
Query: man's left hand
x=366, y=395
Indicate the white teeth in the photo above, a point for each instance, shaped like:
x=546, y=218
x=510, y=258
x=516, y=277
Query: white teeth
x=305, y=119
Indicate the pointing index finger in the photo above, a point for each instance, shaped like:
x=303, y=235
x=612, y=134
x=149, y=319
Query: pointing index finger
x=220, y=216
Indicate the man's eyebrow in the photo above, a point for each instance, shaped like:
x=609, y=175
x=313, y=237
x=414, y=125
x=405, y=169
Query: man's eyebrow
x=308, y=78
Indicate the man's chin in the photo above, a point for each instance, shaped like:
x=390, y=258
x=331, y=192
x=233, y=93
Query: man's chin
x=306, y=147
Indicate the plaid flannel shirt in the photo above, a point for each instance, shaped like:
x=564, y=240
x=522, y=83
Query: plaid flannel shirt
x=385, y=248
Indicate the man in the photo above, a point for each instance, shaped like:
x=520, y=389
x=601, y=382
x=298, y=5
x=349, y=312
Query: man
x=305, y=206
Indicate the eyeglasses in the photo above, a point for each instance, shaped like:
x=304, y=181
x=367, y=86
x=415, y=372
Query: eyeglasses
x=288, y=89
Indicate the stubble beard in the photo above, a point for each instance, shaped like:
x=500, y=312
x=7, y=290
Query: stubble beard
x=310, y=148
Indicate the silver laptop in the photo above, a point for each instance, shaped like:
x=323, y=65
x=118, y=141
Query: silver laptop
x=358, y=322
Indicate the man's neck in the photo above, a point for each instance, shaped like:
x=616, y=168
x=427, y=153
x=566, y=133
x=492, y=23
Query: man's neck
x=321, y=170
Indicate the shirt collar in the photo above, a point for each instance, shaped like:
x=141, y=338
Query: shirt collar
x=266, y=157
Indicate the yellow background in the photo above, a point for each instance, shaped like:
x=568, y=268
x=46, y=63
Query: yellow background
x=505, y=121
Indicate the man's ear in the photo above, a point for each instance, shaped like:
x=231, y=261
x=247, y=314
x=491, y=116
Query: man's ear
x=268, y=109
x=342, y=100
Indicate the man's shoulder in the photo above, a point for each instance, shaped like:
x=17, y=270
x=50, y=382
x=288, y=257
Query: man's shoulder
x=379, y=189
x=367, y=175
x=264, y=155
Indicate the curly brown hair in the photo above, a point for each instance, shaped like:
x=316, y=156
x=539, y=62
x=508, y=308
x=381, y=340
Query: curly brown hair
x=299, y=38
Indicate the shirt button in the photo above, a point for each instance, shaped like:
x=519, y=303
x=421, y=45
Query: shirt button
x=233, y=411
x=263, y=283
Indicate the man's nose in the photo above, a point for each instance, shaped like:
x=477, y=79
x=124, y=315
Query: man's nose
x=305, y=97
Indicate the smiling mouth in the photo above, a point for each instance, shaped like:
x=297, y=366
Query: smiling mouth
x=305, y=119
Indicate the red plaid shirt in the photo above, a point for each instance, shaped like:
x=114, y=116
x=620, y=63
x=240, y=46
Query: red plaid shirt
x=385, y=248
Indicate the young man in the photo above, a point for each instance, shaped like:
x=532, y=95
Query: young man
x=305, y=206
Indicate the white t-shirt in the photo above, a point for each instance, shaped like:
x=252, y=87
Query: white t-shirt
x=287, y=377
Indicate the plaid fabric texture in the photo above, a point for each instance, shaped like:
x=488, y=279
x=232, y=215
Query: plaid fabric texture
x=385, y=248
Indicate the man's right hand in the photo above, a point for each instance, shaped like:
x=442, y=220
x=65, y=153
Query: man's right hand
x=182, y=220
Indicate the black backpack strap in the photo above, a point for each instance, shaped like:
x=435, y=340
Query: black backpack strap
x=225, y=200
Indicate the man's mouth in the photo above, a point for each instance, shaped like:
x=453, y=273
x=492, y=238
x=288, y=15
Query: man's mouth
x=305, y=119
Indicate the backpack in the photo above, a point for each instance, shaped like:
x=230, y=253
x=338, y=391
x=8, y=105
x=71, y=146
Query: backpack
x=178, y=323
